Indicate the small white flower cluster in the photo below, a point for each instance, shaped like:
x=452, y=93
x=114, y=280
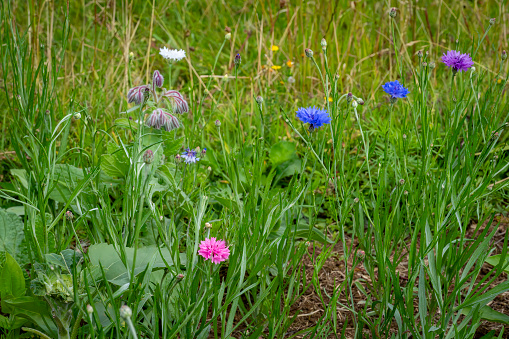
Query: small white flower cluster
x=172, y=54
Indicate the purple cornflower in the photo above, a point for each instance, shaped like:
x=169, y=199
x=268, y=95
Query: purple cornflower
x=189, y=156
x=314, y=116
x=395, y=90
x=457, y=61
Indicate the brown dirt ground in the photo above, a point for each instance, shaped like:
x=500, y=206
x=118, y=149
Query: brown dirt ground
x=310, y=309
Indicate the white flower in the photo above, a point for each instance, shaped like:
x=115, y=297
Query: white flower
x=172, y=54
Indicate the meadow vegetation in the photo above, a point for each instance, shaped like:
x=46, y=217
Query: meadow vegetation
x=254, y=169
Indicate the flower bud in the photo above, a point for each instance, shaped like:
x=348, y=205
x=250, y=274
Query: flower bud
x=228, y=36
x=354, y=104
x=401, y=181
x=349, y=97
x=431, y=65
x=203, y=152
x=178, y=157
x=356, y=200
x=180, y=276
x=424, y=64
x=125, y=312
x=323, y=43
x=504, y=55
x=148, y=157
x=309, y=52
x=360, y=101
x=217, y=123
x=77, y=116
x=259, y=100
x=291, y=80
x=157, y=79
x=90, y=309
x=419, y=54
x=361, y=255
x=208, y=225
x=492, y=21
x=392, y=12
x=131, y=55
x=237, y=60
x=69, y=216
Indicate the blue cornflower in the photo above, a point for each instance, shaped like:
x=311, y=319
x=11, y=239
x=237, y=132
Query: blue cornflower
x=314, y=116
x=395, y=90
x=189, y=156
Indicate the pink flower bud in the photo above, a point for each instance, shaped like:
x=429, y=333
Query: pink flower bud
x=137, y=94
x=157, y=79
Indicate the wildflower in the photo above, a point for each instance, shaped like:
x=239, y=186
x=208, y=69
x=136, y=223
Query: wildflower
x=180, y=276
x=228, y=36
x=274, y=48
x=289, y=63
x=189, y=156
x=137, y=94
x=215, y=250
x=349, y=97
x=160, y=118
x=360, y=101
x=259, y=100
x=356, y=200
x=291, y=80
x=324, y=44
x=361, y=255
x=457, y=61
x=395, y=90
x=131, y=55
x=178, y=158
x=179, y=103
x=276, y=67
x=330, y=99
x=392, y=12
x=314, y=116
x=148, y=156
x=492, y=21
x=203, y=152
x=125, y=312
x=157, y=79
x=90, y=309
x=354, y=104
x=217, y=123
x=237, y=60
x=77, y=116
x=208, y=225
x=172, y=54
x=309, y=52
x=504, y=55
x=69, y=216
x=419, y=54
x=431, y=65
x=401, y=181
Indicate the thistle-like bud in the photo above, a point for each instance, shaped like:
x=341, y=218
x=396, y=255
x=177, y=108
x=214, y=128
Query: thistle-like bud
x=125, y=312
x=217, y=123
x=237, y=60
x=228, y=36
x=178, y=158
x=180, y=276
x=349, y=97
x=69, y=216
x=492, y=21
x=309, y=52
x=504, y=55
x=157, y=79
x=354, y=104
x=324, y=44
x=148, y=156
x=419, y=54
x=392, y=12
x=90, y=309
x=361, y=255
x=426, y=54
x=77, y=116
x=138, y=94
x=431, y=65
x=259, y=100
x=424, y=64
x=401, y=181
x=360, y=101
x=356, y=200
x=203, y=152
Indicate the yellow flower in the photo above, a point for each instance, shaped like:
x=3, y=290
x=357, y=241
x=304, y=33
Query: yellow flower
x=289, y=63
x=330, y=99
x=276, y=67
x=275, y=48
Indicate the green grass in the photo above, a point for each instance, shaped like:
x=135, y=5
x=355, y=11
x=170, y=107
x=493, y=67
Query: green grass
x=401, y=182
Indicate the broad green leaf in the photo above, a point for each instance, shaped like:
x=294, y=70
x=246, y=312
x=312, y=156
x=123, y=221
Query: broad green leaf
x=172, y=146
x=34, y=309
x=495, y=260
x=282, y=151
x=12, y=322
x=12, y=236
x=115, y=162
x=12, y=281
x=116, y=271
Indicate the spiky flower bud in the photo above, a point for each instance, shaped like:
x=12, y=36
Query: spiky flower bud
x=259, y=100
x=203, y=152
x=360, y=101
x=125, y=312
x=419, y=54
x=309, y=52
x=237, y=60
x=137, y=94
x=361, y=255
x=69, y=216
x=349, y=97
x=148, y=156
x=178, y=158
x=228, y=36
x=401, y=181
x=217, y=123
x=492, y=21
x=323, y=43
x=504, y=55
x=431, y=65
x=392, y=12
x=424, y=64
x=157, y=79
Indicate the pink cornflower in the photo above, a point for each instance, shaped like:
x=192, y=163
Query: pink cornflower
x=215, y=250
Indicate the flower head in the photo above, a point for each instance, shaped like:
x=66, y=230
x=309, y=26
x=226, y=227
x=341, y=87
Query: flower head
x=457, y=61
x=237, y=59
x=215, y=250
x=159, y=118
x=137, y=94
x=314, y=116
x=157, y=79
x=189, y=156
x=395, y=90
x=274, y=48
x=172, y=54
x=148, y=156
